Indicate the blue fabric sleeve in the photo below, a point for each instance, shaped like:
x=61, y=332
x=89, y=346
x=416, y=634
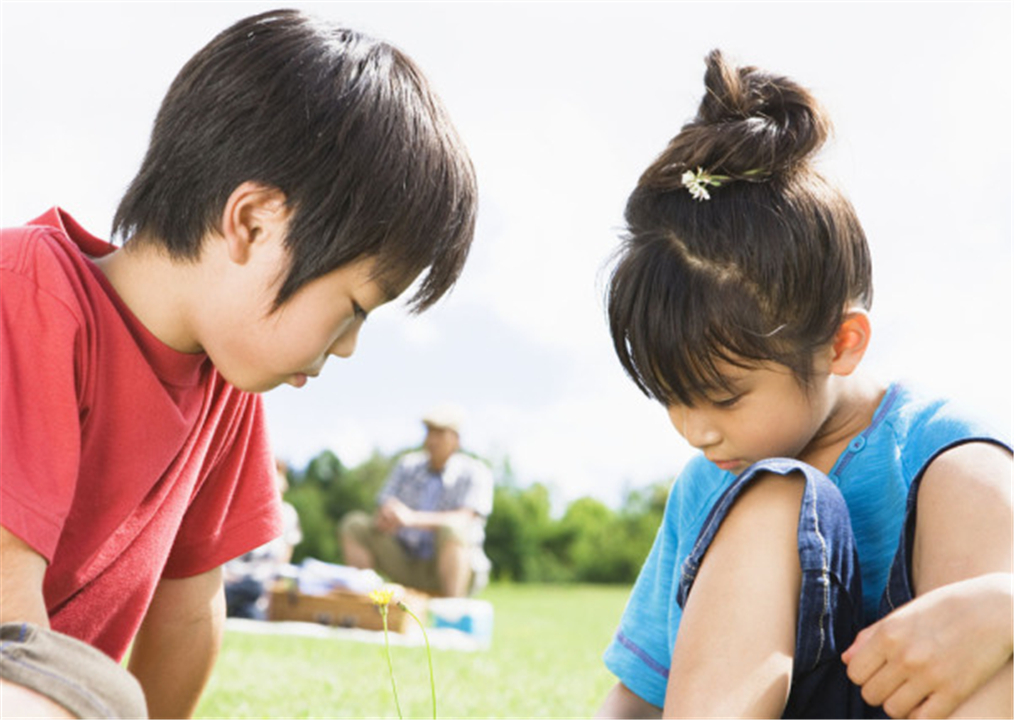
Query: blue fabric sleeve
x=641, y=651
x=638, y=654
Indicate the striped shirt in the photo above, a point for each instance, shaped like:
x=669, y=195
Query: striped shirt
x=465, y=482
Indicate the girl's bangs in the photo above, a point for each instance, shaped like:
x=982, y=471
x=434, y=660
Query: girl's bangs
x=675, y=326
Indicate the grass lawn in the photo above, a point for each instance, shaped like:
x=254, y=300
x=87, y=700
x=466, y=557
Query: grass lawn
x=545, y=661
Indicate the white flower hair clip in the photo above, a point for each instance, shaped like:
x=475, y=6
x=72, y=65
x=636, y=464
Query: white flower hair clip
x=697, y=183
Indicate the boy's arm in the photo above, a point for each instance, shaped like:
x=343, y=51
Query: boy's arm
x=621, y=702
x=22, y=570
x=46, y=673
x=949, y=650
x=21, y=573
x=177, y=645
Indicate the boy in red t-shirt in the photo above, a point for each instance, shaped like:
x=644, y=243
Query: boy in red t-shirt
x=299, y=175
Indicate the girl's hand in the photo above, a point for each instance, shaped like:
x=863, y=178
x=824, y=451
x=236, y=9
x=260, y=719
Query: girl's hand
x=928, y=656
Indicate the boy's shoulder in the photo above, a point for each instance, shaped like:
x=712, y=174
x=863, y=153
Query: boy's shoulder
x=50, y=252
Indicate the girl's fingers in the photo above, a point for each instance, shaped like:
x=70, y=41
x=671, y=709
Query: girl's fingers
x=856, y=646
x=862, y=663
x=936, y=705
x=882, y=685
x=903, y=700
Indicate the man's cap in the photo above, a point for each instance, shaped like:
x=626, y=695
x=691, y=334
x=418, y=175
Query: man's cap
x=447, y=417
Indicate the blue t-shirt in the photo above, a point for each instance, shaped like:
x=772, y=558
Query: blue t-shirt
x=873, y=474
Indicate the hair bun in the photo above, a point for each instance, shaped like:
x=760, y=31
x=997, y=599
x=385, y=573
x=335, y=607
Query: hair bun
x=751, y=125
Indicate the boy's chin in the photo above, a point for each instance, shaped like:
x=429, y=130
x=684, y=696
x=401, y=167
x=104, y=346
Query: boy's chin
x=257, y=385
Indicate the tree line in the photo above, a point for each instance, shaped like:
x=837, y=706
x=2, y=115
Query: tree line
x=589, y=542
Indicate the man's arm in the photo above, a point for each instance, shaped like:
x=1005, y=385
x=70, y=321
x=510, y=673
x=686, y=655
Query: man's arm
x=949, y=650
x=394, y=514
x=177, y=645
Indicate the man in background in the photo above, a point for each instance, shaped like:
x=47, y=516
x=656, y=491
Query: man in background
x=429, y=526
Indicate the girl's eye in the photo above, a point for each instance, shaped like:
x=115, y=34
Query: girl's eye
x=358, y=311
x=727, y=402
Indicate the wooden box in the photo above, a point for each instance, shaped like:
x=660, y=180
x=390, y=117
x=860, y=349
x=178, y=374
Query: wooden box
x=343, y=609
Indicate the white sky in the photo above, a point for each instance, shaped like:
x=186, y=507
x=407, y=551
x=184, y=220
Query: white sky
x=562, y=105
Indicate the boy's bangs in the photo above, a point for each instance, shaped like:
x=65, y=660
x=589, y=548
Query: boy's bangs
x=676, y=327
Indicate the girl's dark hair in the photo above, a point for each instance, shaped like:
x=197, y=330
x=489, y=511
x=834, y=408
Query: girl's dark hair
x=344, y=125
x=762, y=271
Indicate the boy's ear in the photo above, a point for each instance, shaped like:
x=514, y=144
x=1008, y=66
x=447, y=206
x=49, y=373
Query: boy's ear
x=850, y=342
x=253, y=213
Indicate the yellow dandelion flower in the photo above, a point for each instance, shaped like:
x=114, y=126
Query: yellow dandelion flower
x=382, y=597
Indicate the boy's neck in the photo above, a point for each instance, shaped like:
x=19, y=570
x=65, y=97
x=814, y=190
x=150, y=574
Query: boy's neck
x=157, y=290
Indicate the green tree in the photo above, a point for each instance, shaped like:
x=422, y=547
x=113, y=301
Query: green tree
x=358, y=487
x=308, y=493
x=589, y=530
x=325, y=491
x=516, y=532
x=319, y=539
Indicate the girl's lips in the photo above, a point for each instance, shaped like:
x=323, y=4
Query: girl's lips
x=298, y=380
x=728, y=465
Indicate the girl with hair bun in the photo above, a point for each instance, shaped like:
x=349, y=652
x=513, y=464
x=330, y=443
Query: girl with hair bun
x=841, y=547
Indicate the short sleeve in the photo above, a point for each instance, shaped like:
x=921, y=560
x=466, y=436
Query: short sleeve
x=238, y=506
x=641, y=651
x=639, y=654
x=478, y=495
x=40, y=430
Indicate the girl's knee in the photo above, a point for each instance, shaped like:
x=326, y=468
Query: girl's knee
x=770, y=496
x=757, y=537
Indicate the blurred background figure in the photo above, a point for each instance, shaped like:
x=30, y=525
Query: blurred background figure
x=429, y=526
x=248, y=578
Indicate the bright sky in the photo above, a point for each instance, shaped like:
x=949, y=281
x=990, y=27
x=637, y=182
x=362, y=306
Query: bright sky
x=562, y=105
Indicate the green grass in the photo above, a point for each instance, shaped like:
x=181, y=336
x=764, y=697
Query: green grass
x=545, y=661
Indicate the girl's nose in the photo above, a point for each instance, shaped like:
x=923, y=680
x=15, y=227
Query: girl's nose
x=695, y=426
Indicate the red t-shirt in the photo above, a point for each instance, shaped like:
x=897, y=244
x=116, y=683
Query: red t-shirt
x=122, y=461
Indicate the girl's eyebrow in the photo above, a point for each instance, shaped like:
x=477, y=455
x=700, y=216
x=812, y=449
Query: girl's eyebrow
x=728, y=386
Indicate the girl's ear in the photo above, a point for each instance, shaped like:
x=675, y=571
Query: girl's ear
x=850, y=342
x=253, y=213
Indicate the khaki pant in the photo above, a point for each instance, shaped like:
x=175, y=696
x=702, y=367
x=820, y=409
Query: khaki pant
x=392, y=560
x=83, y=679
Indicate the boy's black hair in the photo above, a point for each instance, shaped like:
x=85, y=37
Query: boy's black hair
x=764, y=270
x=344, y=125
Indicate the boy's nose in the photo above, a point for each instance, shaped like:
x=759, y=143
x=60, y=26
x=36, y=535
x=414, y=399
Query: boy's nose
x=346, y=344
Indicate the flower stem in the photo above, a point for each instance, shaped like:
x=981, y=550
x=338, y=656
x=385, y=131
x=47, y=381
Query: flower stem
x=390, y=665
x=429, y=656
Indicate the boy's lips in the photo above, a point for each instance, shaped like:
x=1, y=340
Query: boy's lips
x=300, y=379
